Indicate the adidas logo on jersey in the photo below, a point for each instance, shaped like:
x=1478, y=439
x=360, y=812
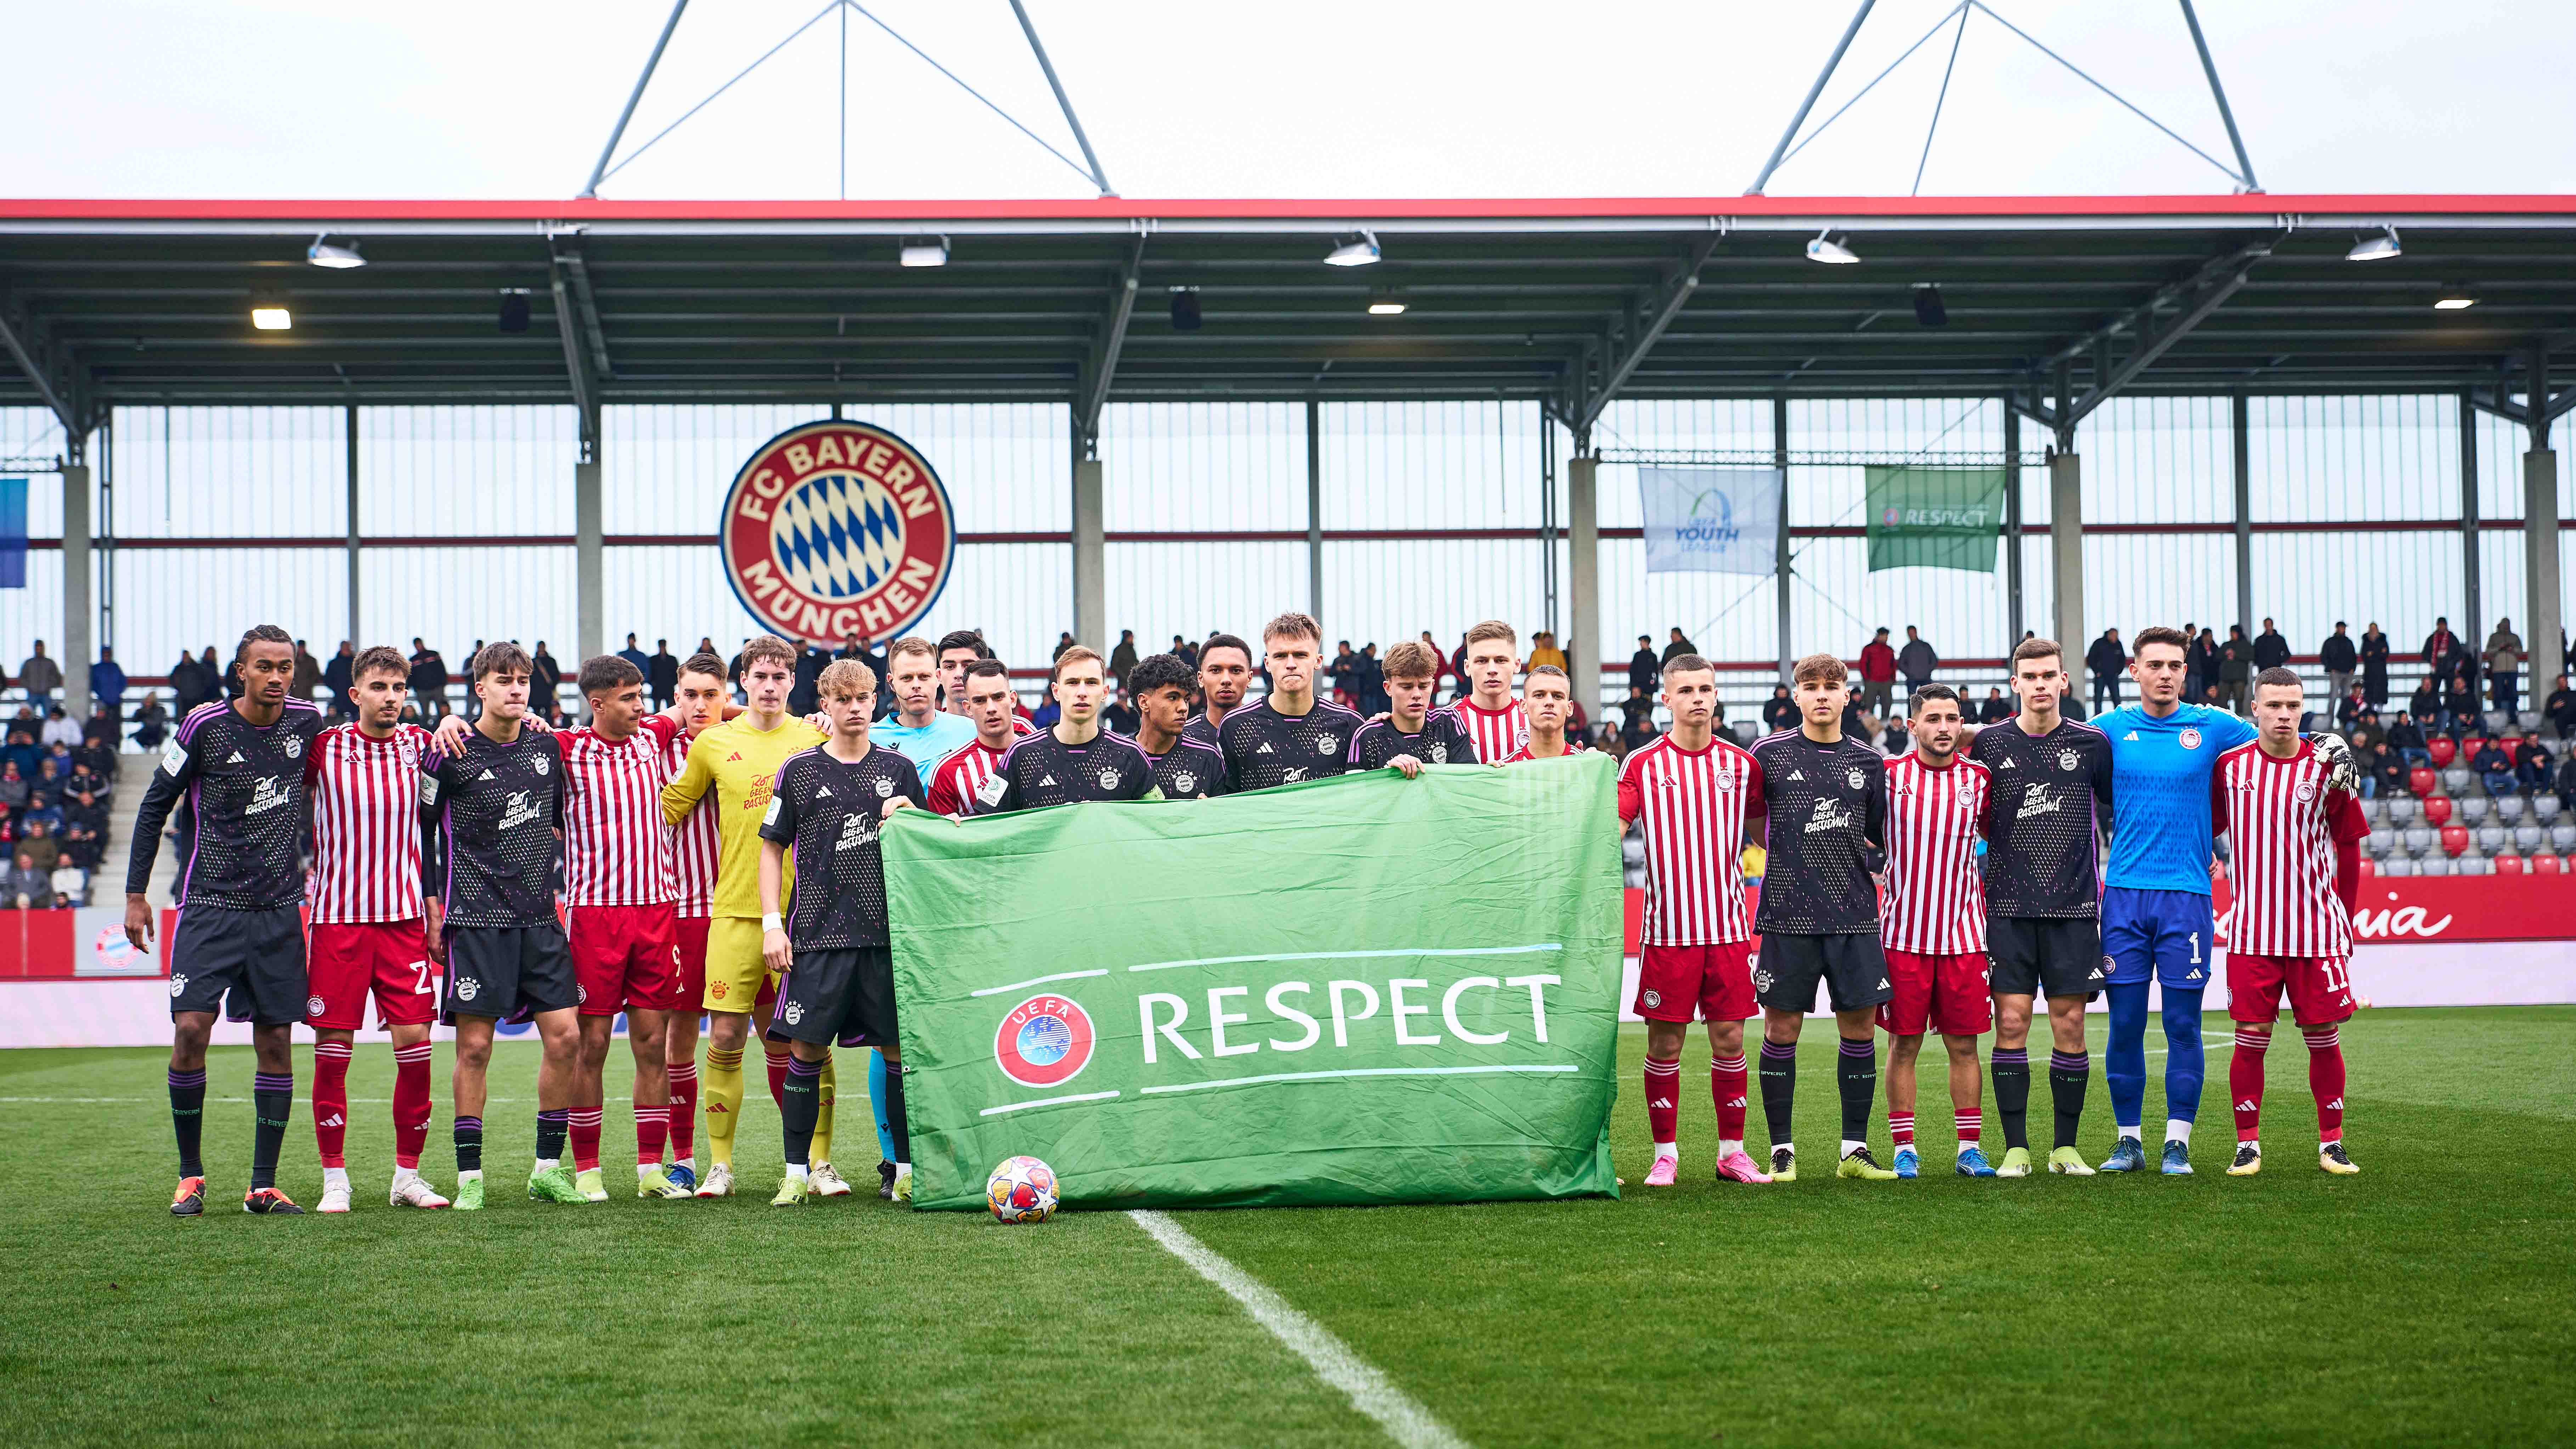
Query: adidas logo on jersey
x=736, y=755
x=2195, y=974
x=823, y=793
x=234, y=758
x=2130, y=736
x=486, y=775
x=1049, y=780
x=1882, y=984
x=2009, y=763
x=1795, y=775
x=1265, y=748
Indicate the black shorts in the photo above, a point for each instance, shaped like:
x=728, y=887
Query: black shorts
x=843, y=994
x=1850, y=964
x=2046, y=955
x=248, y=964
x=508, y=973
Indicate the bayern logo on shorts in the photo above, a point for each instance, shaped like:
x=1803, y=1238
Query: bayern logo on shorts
x=837, y=528
x=1045, y=1041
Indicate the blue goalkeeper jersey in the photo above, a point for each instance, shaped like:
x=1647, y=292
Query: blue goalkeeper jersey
x=2160, y=769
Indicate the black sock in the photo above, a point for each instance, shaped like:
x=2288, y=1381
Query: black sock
x=272, y=1099
x=2011, y=1071
x=800, y=1105
x=551, y=1127
x=469, y=1144
x=1779, y=1073
x=1856, y=1072
x=2067, y=1074
x=188, y=1118
x=896, y=1126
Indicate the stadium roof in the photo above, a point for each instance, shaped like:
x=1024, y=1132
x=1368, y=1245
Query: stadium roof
x=2053, y=300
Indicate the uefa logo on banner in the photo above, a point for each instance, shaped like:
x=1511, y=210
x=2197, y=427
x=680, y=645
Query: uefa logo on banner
x=837, y=528
x=1045, y=1041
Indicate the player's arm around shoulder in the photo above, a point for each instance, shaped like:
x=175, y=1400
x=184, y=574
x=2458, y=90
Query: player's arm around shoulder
x=696, y=775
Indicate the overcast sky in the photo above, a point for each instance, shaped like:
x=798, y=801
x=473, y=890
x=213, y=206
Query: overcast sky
x=1387, y=98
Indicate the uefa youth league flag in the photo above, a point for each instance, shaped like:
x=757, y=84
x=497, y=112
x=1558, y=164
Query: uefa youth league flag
x=1711, y=520
x=1359, y=990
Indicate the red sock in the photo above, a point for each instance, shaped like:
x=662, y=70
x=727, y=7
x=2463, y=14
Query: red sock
x=1971, y=1123
x=652, y=1124
x=331, y=1100
x=411, y=1104
x=585, y=1138
x=1726, y=1083
x=1663, y=1098
x=2325, y=1078
x=684, y=1109
x=777, y=1074
x=1900, y=1129
x=2245, y=1082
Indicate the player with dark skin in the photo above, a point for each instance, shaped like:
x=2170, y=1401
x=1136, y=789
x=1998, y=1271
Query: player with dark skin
x=1225, y=673
x=267, y=668
x=1939, y=731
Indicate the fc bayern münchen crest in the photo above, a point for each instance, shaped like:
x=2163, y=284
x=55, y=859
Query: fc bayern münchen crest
x=837, y=528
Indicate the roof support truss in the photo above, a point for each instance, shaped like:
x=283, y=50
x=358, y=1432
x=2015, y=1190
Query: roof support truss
x=2151, y=332
x=1634, y=332
x=1101, y=367
x=577, y=324
x=48, y=366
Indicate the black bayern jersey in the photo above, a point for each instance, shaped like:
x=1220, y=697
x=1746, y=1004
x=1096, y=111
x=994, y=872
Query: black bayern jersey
x=828, y=811
x=1040, y=770
x=2047, y=798
x=1442, y=741
x=1190, y=770
x=1826, y=807
x=491, y=821
x=1264, y=748
x=240, y=792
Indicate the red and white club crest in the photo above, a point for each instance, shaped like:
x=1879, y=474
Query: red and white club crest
x=2190, y=738
x=837, y=528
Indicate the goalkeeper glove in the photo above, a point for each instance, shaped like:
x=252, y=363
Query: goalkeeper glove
x=2341, y=772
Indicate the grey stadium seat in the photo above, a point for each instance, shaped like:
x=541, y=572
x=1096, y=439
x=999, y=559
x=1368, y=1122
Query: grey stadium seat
x=2496, y=721
x=2398, y=865
x=1632, y=851
x=2528, y=838
x=2379, y=843
x=2474, y=865
x=2404, y=810
x=2562, y=838
x=2508, y=809
x=2492, y=839
x=2544, y=808
x=2528, y=720
x=2421, y=840
x=2437, y=865
x=2457, y=779
x=2471, y=809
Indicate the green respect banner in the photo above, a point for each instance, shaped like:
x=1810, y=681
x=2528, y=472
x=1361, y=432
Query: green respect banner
x=1938, y=518
x=1359, y=990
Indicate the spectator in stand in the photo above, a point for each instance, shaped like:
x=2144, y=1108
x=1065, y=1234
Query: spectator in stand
x=13, y=789
x=2494, y=767
x=1374, y=700
x=60, y=728
x=2382, y=772
x=2235, y=668
x=1916, y=660
x=2200, y=665
x=2560, y=710
x=545, y=680
x=2349, y=707
x=1877, y=672
x=189, y=685
x=1637, y=717
x=1779, y=712
x=2442, y=646
x=36, y=833
x=336, y=681
x=1578, y=725
x=2406, y=737
x=1996, y=709
x=2460, y=706
x=1063, y=641
x=1543, y=650
x=22, y=750
x=307, y=677
x=107, y=687
x=1679, y=646
x=2425, y=704
x=2531, y=769
x=662, y=674
x=2504, y=667
x=805, y=696
x=1047, y=712
x=1344, y=674
x=84, y=830
x=2339, y=659
x=2271, y=651
x=40, y=676
x=634, y=655
x=2366, y=728
x=2109, y=662
x=1123, y=658
x=2567, y=782
x=2374, y=664
x=1645, y=671
x=26, y=888
x=71, y=886
x=429, y=681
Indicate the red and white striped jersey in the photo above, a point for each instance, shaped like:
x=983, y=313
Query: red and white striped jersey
x=1934, y=903
x=1694, y=805
x=2285, y=830
x=1523, y=756
x=961, y=775
x=617, y=851
x=366, y=825
x=1496, y=732
x=697, y=845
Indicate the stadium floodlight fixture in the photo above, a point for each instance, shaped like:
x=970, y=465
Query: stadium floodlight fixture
x=338, y=256
x=1823, y=248
x=268, y=313
x=514, y=309
x=2375, y=248
x=1383, y=303
x=930, y=252
x=2454, y=302
x=1354, y=251
x=1185, y=309
x=1928, y=310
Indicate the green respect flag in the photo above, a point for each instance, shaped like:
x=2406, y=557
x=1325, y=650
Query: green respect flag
x=1938, y=518
x=1359, y=990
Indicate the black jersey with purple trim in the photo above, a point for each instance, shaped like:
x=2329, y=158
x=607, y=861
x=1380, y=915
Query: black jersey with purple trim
x=1825, y=813
x=1200, y=731
x=1441, y=741
x=1264, y=748
x=1041, y=770
x=827, y=811
x=1190, y=770
x=492, y=821
x=2047, y=799
x=239, y=791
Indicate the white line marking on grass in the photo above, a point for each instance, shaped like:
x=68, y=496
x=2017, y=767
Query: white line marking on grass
x=1352, y=1072
x=1354, y=955
x=1040, y=981
x=1370, y=1391
x=1048, y=1102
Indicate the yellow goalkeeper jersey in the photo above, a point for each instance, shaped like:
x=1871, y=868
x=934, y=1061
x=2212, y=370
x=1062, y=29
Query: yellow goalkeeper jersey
x=734, y=763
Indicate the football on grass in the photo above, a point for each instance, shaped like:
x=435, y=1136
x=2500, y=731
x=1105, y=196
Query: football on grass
x=1021, y=1190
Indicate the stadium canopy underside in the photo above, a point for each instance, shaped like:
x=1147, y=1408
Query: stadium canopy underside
x=2049, y=301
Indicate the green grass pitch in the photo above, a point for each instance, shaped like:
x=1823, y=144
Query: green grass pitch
x=2426, y=1300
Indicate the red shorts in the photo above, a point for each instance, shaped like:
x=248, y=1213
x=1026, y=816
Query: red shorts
x=693, y=962
x=1717, y=981
x=2320, y=988
x=343, y=960
x=624, y=956
x=1947, y=994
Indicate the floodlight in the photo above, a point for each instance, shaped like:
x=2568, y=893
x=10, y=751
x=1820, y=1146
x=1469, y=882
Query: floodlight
x=931, y=253
x=2375, y=248
x=2454, y=304
x=1829, y=251
x=1357, y=251
x=271, y=317
x=337, y=255
x=1385, y=304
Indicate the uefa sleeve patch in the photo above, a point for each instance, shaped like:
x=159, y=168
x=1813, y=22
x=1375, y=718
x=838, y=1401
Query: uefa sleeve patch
x=174, y=759
x=990, y=792
x=770, y=815
x=428, y=791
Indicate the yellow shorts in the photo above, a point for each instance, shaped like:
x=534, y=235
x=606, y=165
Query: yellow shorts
x=734, y=967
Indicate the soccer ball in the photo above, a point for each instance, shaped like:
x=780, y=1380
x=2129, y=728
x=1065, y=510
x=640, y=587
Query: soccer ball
x=1021, y=1190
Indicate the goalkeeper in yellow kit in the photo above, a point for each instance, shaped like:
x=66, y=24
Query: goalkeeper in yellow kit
x=735, y=762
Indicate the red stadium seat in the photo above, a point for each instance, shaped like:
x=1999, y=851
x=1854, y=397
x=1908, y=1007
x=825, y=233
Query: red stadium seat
x=2508, y=865
x=2421, y=783
x=2369, y=867
x=2544, y=865
x=2437, y=810
x=2512, y=750
x=2442, y=748
x=2455, y=838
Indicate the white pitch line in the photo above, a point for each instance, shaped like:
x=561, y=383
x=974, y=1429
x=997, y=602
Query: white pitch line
x=1370, y=1391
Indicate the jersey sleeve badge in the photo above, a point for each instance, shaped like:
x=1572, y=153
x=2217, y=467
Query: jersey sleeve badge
x=174, y=759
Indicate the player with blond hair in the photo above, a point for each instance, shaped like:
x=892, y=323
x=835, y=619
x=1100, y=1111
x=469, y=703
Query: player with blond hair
x=1491, y=716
